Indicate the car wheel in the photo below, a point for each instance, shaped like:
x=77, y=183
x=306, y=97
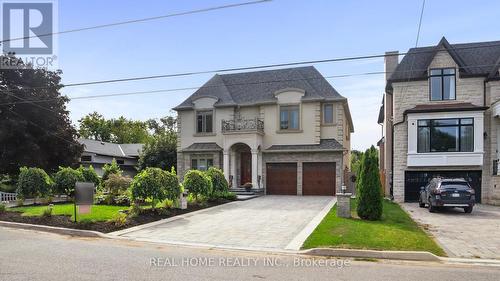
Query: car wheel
x=468, y=210
x=432, y=209
x=420, y=203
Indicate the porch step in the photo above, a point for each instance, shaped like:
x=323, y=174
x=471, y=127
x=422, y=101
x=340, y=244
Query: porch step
x=240, y=197
x=242, y=191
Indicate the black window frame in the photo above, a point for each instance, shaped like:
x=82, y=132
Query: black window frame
x=459, y=125
x=287, y=108
x=85, y=160
x=203, y=114
x=442, y=75
x=120, y=161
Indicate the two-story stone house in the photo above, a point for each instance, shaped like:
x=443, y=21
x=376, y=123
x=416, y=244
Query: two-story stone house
x=440, y=117
x=286, y=131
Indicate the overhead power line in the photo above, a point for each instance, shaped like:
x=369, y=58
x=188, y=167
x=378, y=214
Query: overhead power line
x=215, y=86
x=233, y=69
x=198, y=11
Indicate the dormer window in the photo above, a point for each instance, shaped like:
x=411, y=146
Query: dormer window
x=442, y=84
x=204, y=121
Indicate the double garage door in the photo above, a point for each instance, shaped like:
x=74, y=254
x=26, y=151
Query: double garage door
x=318, y=178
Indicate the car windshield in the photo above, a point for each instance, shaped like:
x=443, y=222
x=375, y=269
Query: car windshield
x=455, y=185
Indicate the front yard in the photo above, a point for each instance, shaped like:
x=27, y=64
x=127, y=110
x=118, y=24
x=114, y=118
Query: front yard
x=103, y=218
x=395, y=231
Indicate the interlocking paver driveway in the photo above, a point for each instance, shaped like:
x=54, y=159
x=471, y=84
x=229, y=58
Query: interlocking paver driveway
x=463, y=235
x=265, y=222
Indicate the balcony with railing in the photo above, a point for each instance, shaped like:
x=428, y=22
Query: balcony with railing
x=243, y=125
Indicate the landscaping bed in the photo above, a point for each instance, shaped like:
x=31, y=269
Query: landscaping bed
x=100, y=217
x=395, y=231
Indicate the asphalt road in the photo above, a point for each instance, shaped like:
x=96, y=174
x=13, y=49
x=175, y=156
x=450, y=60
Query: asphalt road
x=28, y=255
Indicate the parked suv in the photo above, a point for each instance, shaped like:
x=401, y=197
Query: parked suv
x=442, y=192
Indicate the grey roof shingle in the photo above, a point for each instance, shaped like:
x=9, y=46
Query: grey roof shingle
x=325, y=144
x=203, y=146
x=259, y=87
x=474, y=59
x=112, y=149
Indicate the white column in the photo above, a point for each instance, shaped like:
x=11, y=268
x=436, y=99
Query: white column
x=255, y=158
x=226, y=164
x=233, y=167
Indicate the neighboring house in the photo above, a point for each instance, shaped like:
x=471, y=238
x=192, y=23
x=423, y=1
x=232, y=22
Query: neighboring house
x=440, y=117
x=286, y=131
x=99, y=153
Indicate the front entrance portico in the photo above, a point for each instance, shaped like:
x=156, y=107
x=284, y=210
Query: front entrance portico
x=242, y=159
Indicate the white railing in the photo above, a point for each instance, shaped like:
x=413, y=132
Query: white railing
x=7, y=197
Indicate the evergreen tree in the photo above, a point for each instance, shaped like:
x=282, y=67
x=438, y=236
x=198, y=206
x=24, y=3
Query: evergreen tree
x=369, y=187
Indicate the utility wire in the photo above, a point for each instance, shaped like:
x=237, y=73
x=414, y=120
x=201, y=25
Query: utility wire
x=142, y=20
x=214, y=86
x=223, y=70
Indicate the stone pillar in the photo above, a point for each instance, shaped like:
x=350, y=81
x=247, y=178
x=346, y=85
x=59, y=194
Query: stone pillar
x=225, y=162
x=344, y=205
x=233, y=167
x=255, y=162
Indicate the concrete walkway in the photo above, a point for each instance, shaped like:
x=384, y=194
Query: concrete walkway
x=267, y=222
x=475, y=235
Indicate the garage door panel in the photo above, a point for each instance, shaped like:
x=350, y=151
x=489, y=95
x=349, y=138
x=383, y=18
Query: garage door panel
x=318, y=178
x=416, y=179
x=281, y=178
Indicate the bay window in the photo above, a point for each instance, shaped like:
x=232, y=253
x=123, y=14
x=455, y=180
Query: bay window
x=201, y=164
x=445, y=135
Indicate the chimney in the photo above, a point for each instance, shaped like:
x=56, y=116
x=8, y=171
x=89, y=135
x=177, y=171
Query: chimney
x=391, y=61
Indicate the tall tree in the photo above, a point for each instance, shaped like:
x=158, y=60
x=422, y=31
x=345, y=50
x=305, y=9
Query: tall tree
x=94, y=126
x=161, y=150
x=37, y=133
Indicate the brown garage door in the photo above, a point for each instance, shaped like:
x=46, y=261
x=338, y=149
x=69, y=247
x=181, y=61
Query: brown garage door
x=318, y=178
x=281, y=178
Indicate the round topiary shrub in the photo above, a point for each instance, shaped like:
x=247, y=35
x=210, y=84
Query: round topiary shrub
x=197, y=183
x=65, y=180
x=33, y=183
x=172, y=186
x=149, y=183
x=90, y=175
x=219, y=182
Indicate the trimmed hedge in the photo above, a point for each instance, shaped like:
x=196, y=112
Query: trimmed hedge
x=155, y=184
x=219, y=182
x=65, y=180
x=33, y=183
x=197, y=183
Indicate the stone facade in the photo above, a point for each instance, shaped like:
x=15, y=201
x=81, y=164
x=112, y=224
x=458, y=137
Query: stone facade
x=301, y=157
x=407, y=95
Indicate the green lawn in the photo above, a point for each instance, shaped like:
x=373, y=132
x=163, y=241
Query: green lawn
x=396, y=231
x=98, y=212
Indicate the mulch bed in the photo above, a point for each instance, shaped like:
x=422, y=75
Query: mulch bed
x=146, y=216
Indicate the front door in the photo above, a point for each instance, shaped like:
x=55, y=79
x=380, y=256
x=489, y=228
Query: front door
x=246, y=167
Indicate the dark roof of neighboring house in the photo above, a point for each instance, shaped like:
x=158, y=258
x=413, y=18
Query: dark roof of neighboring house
x=442, y=107
x=480, y=59
x=325, y=144
x=258, y=87
x=129, y=150
x=381, y=142
x=203, y=146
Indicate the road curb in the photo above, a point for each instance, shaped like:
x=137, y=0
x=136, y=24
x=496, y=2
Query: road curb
x=373, y=254
x=53, y=229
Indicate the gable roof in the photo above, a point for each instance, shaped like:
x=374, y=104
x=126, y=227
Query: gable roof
x=259, y=87
x=481, y=59
x=129, y=150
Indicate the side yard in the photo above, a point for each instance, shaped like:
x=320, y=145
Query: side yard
x=395, y=231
